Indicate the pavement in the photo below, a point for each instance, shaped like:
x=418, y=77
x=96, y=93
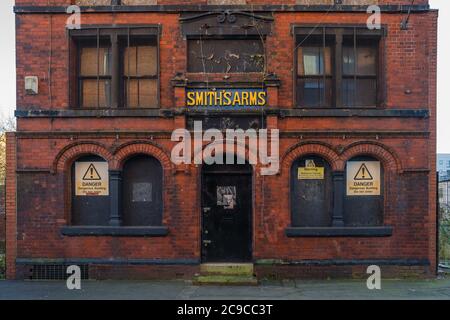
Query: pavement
x=435, y=289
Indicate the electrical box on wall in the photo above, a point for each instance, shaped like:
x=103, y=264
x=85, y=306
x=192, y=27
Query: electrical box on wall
x=31, y=85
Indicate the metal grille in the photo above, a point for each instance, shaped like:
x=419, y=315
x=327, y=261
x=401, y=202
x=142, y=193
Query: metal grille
x=55, y=272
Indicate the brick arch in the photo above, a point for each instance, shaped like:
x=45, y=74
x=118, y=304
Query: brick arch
x=70, y=153
x=320, y=149
x=128, y=150
x=388, y=157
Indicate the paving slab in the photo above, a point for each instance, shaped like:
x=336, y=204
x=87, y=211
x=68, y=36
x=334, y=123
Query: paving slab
x=436, y=289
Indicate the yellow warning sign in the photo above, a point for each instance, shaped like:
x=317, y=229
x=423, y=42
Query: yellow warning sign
x=310, y=171
x=363, y=178
x=91, y=174
x=91, y=179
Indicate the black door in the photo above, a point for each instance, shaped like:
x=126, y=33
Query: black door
x=226, y=214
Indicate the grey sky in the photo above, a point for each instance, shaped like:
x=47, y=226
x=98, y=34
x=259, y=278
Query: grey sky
x=7, y=67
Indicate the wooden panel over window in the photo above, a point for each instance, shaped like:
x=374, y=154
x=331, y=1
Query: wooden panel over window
x=88, y=210
x=311, y=192
x=142, y=192
x=94, y=73
x=366, y=206
x=140, y=74
x=116, y=66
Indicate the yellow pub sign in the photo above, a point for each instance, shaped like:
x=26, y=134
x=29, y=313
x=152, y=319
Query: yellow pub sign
x=226, y=98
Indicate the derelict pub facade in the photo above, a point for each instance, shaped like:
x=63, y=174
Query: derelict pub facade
x=90, y=177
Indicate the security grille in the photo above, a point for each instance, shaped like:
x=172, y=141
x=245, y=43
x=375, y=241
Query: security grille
x=55, y=272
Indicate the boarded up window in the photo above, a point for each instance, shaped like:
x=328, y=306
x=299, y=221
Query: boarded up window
x=365, y=207
x=95, y=61
x=115, y=68
x=311, y=192
x=88, y=210
x=95, y=74
x=96, y=93
x=142, y=192
x=140, y=61
x=226, y=55
x=140, y=75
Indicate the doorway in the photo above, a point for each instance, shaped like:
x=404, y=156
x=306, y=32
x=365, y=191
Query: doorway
x=227, y=213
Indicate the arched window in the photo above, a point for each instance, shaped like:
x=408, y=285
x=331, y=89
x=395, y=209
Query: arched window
x=364, y=197
x=142, y=192
x=90, y=191
x=311, y=192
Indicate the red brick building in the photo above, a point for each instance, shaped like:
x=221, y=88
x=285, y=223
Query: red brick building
x=90, y=179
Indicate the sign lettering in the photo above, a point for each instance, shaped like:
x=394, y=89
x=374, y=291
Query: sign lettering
x=363, y=178
x=91, y=179
x=222, y=98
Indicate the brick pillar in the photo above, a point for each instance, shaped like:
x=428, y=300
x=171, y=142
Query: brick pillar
x=11, y=208
x=272, y=122
x=179, y=122
x=339, y=191
x=180, y=100
x=272, y=97
x=115, y=189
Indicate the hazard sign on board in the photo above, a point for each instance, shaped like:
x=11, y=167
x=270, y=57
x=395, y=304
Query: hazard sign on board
x=363, y=178
x=91, y=179
x=310, y=171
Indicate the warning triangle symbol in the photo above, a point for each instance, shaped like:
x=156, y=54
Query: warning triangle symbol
x=91, y=174
x=363, y=173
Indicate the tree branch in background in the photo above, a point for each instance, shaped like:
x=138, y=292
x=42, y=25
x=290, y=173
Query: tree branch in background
x=7, y=124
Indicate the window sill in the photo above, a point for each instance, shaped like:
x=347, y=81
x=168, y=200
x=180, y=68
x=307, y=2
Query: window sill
x=355, y=112
x=95, y=113
x=385, y=231
x=98, y=231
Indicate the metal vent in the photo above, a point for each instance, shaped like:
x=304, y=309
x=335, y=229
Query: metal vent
x=55, y=272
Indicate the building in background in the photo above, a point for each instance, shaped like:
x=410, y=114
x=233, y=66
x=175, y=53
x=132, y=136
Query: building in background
x=90, y=179
x=443, y=165
x=444, y=193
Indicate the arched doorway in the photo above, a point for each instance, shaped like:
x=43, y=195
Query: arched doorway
x=227, y=213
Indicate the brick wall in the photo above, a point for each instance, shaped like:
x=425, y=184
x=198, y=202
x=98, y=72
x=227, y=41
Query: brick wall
x=402, y=52
x=46, y=148
x=212, y=2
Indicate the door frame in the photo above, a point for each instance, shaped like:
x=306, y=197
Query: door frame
x=251, y=227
